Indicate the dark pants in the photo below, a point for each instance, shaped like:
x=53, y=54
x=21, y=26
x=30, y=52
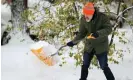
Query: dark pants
x=103, y=61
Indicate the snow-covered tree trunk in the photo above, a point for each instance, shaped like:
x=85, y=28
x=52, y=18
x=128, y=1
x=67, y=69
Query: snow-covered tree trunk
x=17, y=8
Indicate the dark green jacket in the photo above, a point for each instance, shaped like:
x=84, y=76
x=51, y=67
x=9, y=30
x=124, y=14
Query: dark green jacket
x=100, y=24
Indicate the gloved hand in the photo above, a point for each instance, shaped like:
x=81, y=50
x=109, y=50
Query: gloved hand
x=96, y=35
x=93, y=35
x=71, y=44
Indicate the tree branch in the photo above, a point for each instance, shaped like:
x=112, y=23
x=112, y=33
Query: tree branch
x=124, y=11
x=76, y=10
x=116, y=24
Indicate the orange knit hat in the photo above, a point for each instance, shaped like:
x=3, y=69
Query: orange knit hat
x=88, y=9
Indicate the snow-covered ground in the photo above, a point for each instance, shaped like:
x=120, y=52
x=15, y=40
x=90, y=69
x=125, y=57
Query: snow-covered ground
x=19, y=63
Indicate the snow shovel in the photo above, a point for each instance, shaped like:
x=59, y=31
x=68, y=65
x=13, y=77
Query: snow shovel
x=48, y=60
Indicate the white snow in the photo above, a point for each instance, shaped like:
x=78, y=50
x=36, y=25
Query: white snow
x=5, y=13
x=39, y=45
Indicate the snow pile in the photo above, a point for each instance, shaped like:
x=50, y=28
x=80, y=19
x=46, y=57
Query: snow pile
x=19, y=38
x=47, y=50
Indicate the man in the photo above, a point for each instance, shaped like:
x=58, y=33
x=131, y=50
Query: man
x=95, y=28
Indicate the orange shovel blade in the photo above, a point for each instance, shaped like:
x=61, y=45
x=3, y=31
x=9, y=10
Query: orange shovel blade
x=42, y=56
x=37, y=51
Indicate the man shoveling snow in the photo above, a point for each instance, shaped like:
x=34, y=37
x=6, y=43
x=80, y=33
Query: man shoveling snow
x=95, y=27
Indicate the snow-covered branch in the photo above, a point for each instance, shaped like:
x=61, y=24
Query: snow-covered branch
x=124, y=11
x=116, y=24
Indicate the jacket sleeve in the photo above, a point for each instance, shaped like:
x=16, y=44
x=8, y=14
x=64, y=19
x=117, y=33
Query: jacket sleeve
x=106, y=27
x=82, y=32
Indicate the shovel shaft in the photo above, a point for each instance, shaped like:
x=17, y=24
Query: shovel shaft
x=58, y=50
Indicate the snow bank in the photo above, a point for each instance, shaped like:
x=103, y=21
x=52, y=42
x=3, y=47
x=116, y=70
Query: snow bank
x=42, y=50
x=47, y=48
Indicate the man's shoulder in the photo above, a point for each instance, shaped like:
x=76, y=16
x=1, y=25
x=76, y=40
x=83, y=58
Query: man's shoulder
x=102, y=14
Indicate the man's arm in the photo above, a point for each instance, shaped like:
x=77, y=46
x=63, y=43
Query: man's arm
x=82, y=32
x=107, y=27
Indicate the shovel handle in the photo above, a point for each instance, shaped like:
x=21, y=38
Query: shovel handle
x=58, y=50
x=62, y=47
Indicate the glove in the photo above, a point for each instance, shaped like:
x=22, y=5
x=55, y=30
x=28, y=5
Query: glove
x=93, y=35
x=96, y=35
x=71, y=44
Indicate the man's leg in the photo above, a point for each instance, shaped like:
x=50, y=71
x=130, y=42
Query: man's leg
x=103, y=61
x=87, y=57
